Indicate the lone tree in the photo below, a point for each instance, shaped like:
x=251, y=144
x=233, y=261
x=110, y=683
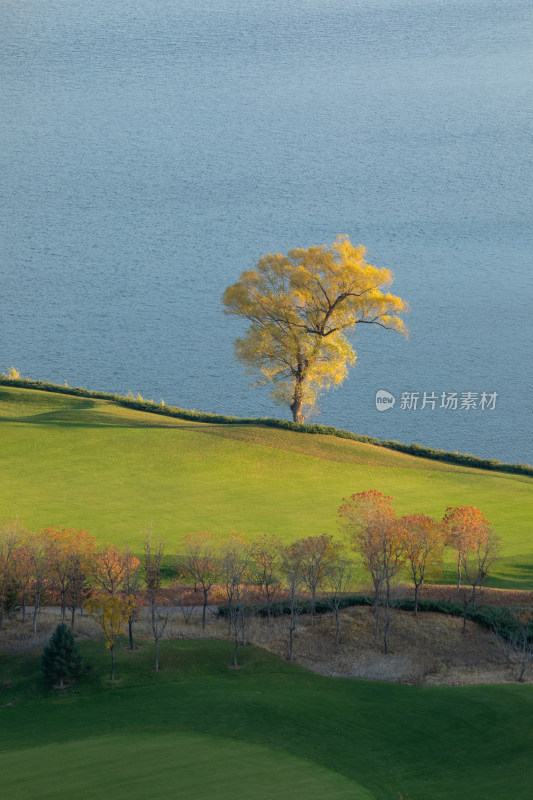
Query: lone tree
x=301, y=307
x=61, y=661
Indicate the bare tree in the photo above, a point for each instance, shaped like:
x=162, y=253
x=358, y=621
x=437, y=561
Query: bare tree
x=200, y=564
x=184, y=598
x=292, y=562
x=235, y=559
x=522, y=639
x=337, y=580
x=158, y=617
x=266, y=557
x=475, y=567
x=318, y=552
x=158, y=614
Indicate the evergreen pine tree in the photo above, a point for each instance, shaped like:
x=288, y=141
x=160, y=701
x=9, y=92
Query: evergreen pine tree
x=61, y=660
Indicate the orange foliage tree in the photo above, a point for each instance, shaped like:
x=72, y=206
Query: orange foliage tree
x=22, y=569
x=111, y=567
x=423, y=545
x=464, y=527
x=370, y=523
x=11, y=532
x=69, y=554
x=38, y=544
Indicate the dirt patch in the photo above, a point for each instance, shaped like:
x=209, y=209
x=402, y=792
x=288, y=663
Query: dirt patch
x=430, y=649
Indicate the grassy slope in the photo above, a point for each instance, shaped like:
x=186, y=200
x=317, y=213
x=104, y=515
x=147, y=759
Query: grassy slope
x=307, y=736
x=90, y=464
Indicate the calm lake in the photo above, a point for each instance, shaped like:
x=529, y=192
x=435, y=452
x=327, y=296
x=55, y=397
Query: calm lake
x=151, y=151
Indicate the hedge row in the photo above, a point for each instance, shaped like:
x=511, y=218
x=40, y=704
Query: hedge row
x=496, y=618
x=414, y=449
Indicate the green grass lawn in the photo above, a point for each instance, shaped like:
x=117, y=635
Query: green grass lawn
x=85, y=463
x=198, y=729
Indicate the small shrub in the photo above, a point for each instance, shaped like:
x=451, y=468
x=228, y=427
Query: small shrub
x=12, y=374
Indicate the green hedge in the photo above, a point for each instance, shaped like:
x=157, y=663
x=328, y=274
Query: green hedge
x=414, y=449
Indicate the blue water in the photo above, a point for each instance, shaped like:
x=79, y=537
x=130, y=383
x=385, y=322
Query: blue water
x=151, y=151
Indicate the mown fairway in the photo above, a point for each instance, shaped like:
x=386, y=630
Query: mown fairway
x=91, y=464
x=198, y=729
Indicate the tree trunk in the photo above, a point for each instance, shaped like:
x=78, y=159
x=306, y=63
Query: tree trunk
x=156, y=665
x=204, y=610
x=336, y=625
x=269, y=605
x=23, y=607
x=291, y=641
x=298, y=399
x=416, y=599
x=386, y=633
x=36, y=610
x=113, y=663
x=313, y=599
x=377, y=601
x=72, y=618
x=130, y=631
x=296, y=408
x=236, y=641
x=458, y=573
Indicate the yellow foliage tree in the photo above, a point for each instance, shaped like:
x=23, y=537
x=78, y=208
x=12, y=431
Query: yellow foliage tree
x=301, y=308
x=111, y=612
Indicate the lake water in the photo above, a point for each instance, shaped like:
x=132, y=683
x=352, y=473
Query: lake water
x=151, y=151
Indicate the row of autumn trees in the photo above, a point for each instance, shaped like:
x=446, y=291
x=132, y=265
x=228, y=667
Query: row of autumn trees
x=414, y=544
x=64, y=566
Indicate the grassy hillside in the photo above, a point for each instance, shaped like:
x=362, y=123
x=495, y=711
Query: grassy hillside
x=198, y=729
x=87, y=463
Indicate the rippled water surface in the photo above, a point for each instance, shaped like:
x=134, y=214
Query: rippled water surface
x=151, y=151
